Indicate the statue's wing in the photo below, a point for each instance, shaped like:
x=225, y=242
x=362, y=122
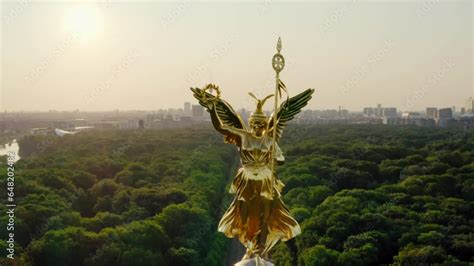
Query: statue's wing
x=287, y=111
x=223, y=116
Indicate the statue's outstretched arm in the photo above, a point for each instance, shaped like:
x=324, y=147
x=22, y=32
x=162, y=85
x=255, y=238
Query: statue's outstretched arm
x=220, y=126
x=223, y=116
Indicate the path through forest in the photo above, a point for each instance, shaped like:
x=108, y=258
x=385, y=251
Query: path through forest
x=235, y=250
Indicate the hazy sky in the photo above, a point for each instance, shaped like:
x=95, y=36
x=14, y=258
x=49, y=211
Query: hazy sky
x=128, y=55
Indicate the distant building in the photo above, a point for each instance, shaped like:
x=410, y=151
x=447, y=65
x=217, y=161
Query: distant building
x=343, y=112
x=463, y=110
x=445, y=116
x=198, y=111
x=127, y=124
x=467, y=120
x=79, y=122
x=389, y=112
x=187, y=109
x=62, y=124
x=411, y=115
x=445, y=113
x=392, y=121
x=186, y=119
x=425, y=122
x=469, y=105
x=330, y=113
x=368, y=111
x=44, y=131
x=432, y=112
x=410, y=118
x=379, y=111
x=106, y=125
x=173, y=110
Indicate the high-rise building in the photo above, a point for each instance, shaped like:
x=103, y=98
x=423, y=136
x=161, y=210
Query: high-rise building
x=198, y=111
x=432, y=112
x=389, y=112
x=187, y=109
x=379, y=110
x=470, y=105
x=445, y=113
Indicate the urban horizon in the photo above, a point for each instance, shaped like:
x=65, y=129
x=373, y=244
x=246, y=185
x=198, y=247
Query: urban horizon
x=457, y=107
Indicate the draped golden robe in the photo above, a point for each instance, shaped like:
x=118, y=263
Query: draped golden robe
x=257, y=215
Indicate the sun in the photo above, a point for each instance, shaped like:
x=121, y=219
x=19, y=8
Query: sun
x=84, y=20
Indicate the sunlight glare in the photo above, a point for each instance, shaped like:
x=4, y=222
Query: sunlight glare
x=84, y=20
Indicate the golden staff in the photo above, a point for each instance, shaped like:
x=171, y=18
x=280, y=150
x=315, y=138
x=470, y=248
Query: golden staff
x=278, y=63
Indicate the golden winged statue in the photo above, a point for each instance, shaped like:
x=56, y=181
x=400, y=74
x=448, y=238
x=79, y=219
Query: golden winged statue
x=257, y=216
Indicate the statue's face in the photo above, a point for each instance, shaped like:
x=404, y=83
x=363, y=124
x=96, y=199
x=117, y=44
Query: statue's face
x=258, y=127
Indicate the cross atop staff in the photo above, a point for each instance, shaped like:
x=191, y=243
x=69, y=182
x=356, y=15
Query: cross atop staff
x=278, y=60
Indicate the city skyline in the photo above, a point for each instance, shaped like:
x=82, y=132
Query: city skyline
x=98, y=57
x=457, y=107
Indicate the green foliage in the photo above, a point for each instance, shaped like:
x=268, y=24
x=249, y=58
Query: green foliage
x=63, y=247
x=320, y=255
x=122, y=198
x=364, y=195
x=83, y=180
x=412, y=255
x=371, y=195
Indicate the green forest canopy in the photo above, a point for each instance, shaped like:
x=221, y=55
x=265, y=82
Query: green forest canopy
x=364, y=195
